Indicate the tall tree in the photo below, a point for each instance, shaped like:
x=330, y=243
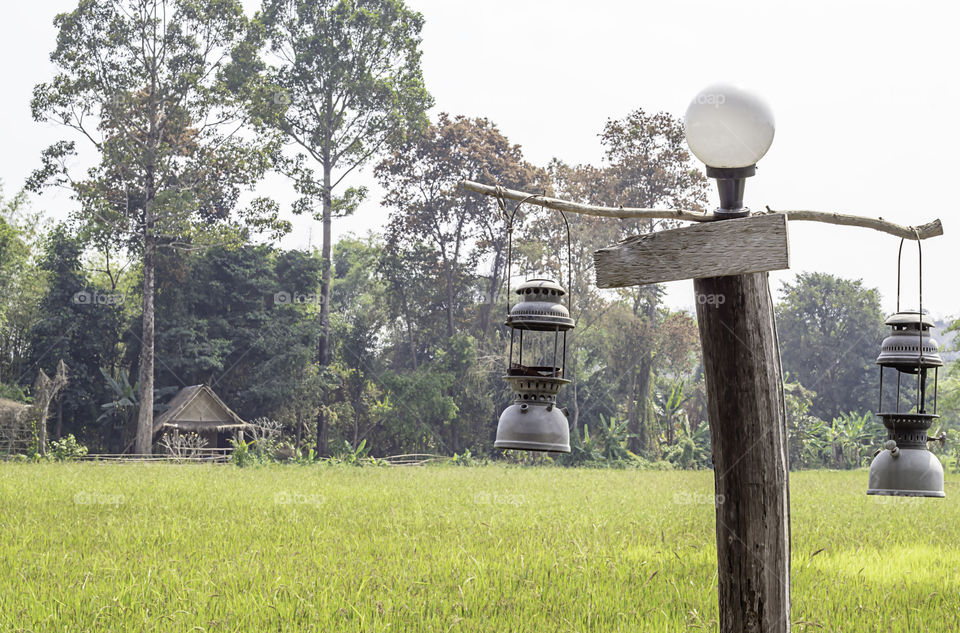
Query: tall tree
x=346, y=85
x=830, y=330
x=422, y=179
x=435, y=228
x=152, y=86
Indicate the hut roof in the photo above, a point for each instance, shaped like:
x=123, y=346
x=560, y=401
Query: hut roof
x=197, y=408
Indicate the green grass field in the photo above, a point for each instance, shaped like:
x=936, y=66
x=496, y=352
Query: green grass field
x=88, y=547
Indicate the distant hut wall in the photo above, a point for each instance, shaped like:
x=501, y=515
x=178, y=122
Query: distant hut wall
x=203, y=409
x=17, y=431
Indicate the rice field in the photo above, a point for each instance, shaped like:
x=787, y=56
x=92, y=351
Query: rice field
x=160, y=547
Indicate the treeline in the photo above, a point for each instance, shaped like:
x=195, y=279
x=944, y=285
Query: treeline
x=165, y=273
x=410, y=370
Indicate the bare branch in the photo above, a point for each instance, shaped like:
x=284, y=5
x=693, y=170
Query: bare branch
x=923, y=231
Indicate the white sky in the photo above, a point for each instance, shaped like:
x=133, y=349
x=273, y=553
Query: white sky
x=865, y=95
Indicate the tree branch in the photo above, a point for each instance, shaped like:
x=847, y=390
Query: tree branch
x=923, y=231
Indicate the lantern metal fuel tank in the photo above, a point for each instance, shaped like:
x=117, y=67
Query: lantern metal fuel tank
x=905, y=466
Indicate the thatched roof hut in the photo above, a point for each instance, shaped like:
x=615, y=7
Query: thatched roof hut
x=197, y=409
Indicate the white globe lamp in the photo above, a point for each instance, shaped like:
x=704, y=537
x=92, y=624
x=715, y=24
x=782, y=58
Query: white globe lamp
x=730, y=129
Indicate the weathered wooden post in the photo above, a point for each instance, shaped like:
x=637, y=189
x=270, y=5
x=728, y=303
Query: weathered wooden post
x=745, y=408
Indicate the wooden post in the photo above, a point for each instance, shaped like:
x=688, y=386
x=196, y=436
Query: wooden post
x=744, y=404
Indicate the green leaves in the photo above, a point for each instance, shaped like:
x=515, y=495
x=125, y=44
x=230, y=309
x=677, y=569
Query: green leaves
x=152, y=87
x=347, y=78
x=830, y=331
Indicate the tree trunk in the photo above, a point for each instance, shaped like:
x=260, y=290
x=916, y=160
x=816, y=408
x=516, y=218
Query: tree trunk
x=449, y=276
x=144, y=441
x=42, y=431
x=570, y=373
x=323, y=345
x=486, y=311
x=744, y=404
x=58, y=431
x=638, y=441
x=648, y=312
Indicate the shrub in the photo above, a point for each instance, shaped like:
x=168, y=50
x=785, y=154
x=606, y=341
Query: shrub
x=67, y=449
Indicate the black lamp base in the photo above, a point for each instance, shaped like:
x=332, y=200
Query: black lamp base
x=730, y=184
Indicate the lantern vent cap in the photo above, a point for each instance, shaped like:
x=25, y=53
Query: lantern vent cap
x=909, y=346
x=910, y=317
x=540, y=307
x=546, y=287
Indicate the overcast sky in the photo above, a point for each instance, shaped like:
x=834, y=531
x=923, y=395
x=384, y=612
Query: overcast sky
x=865, y=95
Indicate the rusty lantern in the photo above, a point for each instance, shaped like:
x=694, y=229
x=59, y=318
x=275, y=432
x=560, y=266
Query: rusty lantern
x=905, y=467
x=538, y=323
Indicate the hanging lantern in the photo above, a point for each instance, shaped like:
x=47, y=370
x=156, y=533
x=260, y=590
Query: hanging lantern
x=533, y=422
x=905, y=467
x=538, y=324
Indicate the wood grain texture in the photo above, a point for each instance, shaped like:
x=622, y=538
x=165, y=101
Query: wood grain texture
x=933, y=228
x=745, y=411
x=731, y=247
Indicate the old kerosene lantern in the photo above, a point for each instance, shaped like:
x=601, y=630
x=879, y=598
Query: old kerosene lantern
x=538, y=323
x=905, y=467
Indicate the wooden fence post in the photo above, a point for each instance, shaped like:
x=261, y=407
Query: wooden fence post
x=745, y=408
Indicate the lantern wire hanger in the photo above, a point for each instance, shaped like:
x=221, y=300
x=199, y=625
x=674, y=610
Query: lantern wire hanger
x=509, y=218
x=920, y=359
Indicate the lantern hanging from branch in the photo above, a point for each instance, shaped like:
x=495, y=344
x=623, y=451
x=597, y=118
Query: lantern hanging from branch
x=538, y=323
x=905, y=467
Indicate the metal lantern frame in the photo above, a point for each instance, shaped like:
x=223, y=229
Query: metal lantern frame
x=905, y=466
x=921, y=370
x=560, y=370
x=533, y=422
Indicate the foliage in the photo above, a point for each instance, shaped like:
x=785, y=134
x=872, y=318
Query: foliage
x=830, y=332
x=22, y=283
x=66, y=449
x=183, y=446
x=607, y=446
x=82, y=326
x=241, y=456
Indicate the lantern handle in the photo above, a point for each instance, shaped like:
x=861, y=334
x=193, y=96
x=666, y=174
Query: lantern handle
x=569, y=265
x=919, y=268
x=920, y=404
x=509, y=218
